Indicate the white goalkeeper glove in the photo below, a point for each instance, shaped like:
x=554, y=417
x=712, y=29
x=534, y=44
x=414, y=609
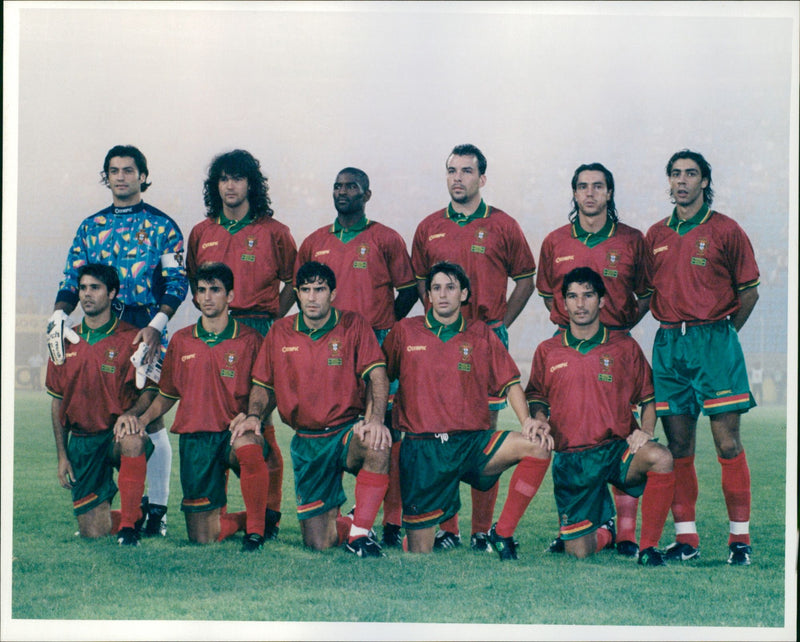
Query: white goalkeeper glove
x=145, y=370
x=58, y=329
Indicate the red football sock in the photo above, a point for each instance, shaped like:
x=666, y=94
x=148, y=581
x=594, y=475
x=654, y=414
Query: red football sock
x=254, y=480
x=736, y=489
x=685, y=500
x=525, y=481
x=132, y=471
x=116, y=518
x=392, y=503
x=603, y=538
x=451, y=525
x=370, y=491
x=275, y=468
x=656, y=501
x=483, y=508
x=343, y=524
x=626, y=515
x=230, y=523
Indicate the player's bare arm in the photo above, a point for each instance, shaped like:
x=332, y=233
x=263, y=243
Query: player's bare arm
x=286, y=300
x=523, y=289
x=532, y=430
x=641, y=436
x=405, y=300
x=161, y=405
x=642, y=308
x=260, y=404
x=65, y=474
x=747, y=301
x=372, y=431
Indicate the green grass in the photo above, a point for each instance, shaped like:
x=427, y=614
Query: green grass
x=56, y=575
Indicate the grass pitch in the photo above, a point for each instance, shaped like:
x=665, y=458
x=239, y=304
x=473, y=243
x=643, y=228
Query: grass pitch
x=57, y=576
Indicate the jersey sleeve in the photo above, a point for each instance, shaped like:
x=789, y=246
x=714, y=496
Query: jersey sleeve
x=392, y=352
x=286, y=250
x=304, y=253
x=399, y=262
x=645, y=393
x=522, y=264
x=503, y=372
x=544, y=276
x=262, y=374
x=76, y=257
x=191, y=251
x=173, y=271
x=743, y=267
x=419, y=253
x=370, y=355
x=167, y=386
x=535, y=390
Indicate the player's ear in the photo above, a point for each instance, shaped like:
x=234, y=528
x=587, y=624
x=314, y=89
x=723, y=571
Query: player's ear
x=230, y=296
x=367, y=195
x=333, y=295
x=602, y=302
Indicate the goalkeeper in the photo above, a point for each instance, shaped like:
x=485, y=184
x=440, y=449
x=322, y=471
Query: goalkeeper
x=145, y=246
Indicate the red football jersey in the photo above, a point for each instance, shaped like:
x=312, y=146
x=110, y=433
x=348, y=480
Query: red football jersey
x=318, y=383
x=97, y=382
x=444, y=386
x=491, y=250
x=368, y=268
x=619, y=259
x=590, y=395
x=212, y=382
x=261, y=255
x=697, y=270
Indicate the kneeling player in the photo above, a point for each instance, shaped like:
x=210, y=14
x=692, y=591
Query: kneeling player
x=314, y=366
x=90, y=389
x=447, y=368
x=207, y=367
x=588, y=378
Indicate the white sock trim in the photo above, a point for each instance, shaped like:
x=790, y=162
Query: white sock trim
x=357, y=531
x=685, y=528
x=740, y=528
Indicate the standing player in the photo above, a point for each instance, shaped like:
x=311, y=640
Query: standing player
x=240, y=231
x=595, y=238
x=90, y=389
x=491, y=248
x=587, y=366
x=703, y=272
x=371, y=263
x=207, y=368
x=145, y=246
x=314, y=366
x=447, y=366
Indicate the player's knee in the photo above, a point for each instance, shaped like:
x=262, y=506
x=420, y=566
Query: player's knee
x=659, y=458
x=132, y=445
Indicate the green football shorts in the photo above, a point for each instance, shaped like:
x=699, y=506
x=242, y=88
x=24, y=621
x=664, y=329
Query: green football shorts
x=319, y=458
x=93, y=461
x=700, y=367
x=432, y=466
x=205, y=461
x=580, y=485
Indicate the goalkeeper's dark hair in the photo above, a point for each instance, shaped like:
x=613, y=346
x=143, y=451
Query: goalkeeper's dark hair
x=106, y=274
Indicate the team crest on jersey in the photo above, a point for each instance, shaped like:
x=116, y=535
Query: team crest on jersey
x=230, y=358
x=612, y=258
x=466, y=354
x=360, y=263
x=141, y=237
x=480, y=235
x=605, y=363
x=702, y=246
x=335, y=352
x=111, y=354
x=251, y=242
x=230, y=361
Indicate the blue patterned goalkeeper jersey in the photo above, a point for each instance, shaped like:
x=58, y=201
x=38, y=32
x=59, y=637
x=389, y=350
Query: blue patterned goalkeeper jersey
x=143, y=244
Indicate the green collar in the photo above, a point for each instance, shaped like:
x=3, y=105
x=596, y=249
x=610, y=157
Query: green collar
x=682, y=227
x=300, y=325
x=592, y=239
x=441, y=330
x=346, y=234
x=463, y=219
x=231, y=330
x=93, y=335
x=234, y=226
x=585, y=345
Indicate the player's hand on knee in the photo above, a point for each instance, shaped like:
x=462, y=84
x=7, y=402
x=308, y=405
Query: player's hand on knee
x=373, y=434
x=243, y=423
x=128, y=425
x=637, y=439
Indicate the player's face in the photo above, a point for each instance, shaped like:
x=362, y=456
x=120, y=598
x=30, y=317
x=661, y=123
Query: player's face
x=233, y=190
x=446, y=297
x=464, y=181
x=582, y=303
x=348, y=195
x=315, y=300
x=212, y=299
x=592, y=194
x=94, y=296
x=124, y=178
x=686, y=183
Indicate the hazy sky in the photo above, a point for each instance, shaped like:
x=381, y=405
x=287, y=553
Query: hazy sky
x=309, y=88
